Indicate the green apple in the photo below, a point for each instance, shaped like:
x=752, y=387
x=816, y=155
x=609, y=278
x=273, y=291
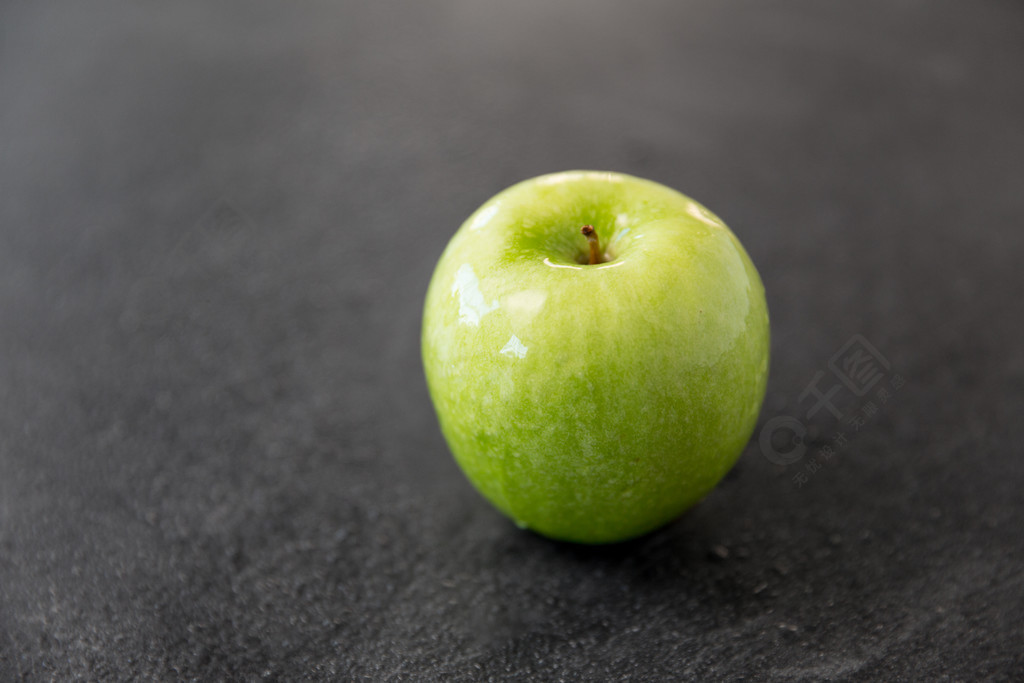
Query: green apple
x=596, y=348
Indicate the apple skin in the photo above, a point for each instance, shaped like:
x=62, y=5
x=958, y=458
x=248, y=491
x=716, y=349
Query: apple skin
x=595, y=403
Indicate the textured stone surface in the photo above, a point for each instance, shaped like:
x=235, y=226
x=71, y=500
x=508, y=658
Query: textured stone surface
x=217, y=454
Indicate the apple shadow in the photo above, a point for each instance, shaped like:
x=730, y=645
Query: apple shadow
x=779, y=577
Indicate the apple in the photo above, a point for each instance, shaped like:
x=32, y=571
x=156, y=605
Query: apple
x=596, y=348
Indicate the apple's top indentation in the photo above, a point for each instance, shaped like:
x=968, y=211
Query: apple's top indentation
x=537, y=229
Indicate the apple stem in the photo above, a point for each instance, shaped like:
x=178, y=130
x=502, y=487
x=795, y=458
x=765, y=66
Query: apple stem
x=595, y=246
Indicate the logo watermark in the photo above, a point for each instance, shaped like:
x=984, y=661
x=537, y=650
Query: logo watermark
x=861, y=370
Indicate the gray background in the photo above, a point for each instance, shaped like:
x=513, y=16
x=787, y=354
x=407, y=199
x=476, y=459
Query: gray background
x=217, y=224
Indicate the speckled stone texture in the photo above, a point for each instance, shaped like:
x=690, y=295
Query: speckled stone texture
x=217, y=224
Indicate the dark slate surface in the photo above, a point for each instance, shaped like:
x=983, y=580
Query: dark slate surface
x=217, y=453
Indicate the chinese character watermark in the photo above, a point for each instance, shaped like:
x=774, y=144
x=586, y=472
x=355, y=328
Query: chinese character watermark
x=859, y=365
x=861, y=370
